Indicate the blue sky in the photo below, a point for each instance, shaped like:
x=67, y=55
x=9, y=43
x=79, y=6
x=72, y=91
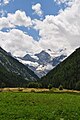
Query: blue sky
x=35, y=25
x=48, y=7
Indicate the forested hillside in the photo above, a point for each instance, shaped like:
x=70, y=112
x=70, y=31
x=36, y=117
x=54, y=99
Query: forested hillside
x=12, y=72
x=66, y=73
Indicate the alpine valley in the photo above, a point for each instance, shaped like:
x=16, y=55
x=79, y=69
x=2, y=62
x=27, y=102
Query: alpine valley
x=56, y=68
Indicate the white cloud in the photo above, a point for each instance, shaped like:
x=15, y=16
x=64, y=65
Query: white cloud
x=61, y=31
x=5, y=2
x=37, y=9
x=46, y=67
x=4, y=23
x=19, y=18
x=16, y=42
x=66, y=2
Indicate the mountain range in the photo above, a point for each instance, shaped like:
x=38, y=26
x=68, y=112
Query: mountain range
x=12, y=72
x=41, y=63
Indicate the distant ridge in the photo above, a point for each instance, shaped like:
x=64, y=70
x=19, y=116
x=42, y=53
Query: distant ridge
x=67, y=73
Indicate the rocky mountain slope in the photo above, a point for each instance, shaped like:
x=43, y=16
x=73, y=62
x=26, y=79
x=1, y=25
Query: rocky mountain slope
x=12, y=72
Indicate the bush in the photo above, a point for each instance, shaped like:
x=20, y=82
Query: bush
x=32, y=90
x=50, y=86
x=60, y=87
x=39, y=85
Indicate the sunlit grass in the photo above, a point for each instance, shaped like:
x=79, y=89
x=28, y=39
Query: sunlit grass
x=39, y=106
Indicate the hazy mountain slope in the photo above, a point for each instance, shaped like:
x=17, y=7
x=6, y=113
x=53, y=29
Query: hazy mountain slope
x=66, y=73
x=12, y=72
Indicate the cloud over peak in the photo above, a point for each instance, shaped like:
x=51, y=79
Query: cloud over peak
x=61, y=31
x=18, y=42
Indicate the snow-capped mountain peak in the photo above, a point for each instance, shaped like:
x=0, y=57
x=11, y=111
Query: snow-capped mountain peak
x=41, y=63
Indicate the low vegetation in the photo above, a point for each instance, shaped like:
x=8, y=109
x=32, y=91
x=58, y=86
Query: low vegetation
x=39, y=106
x=60, y=87
x=50, y=86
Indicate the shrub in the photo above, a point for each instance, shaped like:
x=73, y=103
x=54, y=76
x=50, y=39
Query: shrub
x=60, y=87
x=50, y=86
x=32, y=90
x=39, y=85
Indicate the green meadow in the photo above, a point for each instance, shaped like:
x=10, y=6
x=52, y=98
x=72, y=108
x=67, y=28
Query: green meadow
x=39, y=106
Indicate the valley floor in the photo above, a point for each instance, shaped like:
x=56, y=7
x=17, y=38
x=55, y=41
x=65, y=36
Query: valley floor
x=39, y=106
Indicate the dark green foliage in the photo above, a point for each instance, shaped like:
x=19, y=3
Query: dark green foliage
x=9, y=79
x=66, y=73
x=34, y=85
x=50, y=86
x=77, y=85
x=13, y=73
x=60, y=87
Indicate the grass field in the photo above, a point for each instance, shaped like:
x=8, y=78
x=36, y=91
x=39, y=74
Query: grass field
x=39, y=106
